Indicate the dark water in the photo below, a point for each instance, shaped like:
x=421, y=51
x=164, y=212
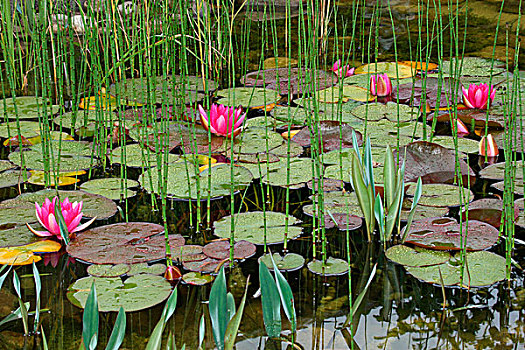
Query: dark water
x=398, y=312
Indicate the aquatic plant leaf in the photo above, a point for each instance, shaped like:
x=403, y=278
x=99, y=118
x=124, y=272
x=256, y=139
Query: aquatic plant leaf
x=64, y=178
x=112, y=188
x=250, y=226
x=28, y=107
x=408, y=256
x=482, y=269
x=392, y=69
x=332, y=267
x=421, y=66
x=179, y=185
x=218, y=309
x=290, y=81
x=343, y=93
x=413, y=93
x=285, y=292
x=208, y=265
x=390, y=111
x=90, y=320
x=23, y=255
x=108, y=270
x=293, y=115
x=343, y=221
x=248, y=97
x=188, y=253
x=287, y=262
x=432, y=162
x=155, y=269
x=197, y=279
x=463, y=145
x=102, y=101
x=256, y=140
x=119, y=331
x=517, y=187
x=27, y=129
x=472, y=66
x=138, y=292
x=10, y=178
x=300, y=172
x=6, y=165
x=497, y=171
x=155, y=340
x=126, y=243
x=271, y=301
x=233, y=326
x=15, y=235
x=136, y=156
x=221, y=250
x=445, y=234
x=476, y=116
x=441, y=195
x=333, y=136
x=489, y=210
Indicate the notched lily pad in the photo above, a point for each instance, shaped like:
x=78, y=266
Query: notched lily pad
x=446, y=234
x=441, y=195
x=288, y=262
x=208, y=265
x=390, y=111
x=188, y=253
x=333, y=267
x=112, y=188
x=26, y=107
x=408, y=256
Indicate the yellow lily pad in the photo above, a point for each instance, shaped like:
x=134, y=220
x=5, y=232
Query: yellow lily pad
x=64, y=178
x=399, y=72
x=23, y=255
x=103, y=100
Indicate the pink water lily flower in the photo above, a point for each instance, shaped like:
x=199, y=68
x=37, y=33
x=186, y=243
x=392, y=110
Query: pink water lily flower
x=221, y=118
x=342, y=71
x=380, y=85
x=477, y=95
x=72, y=213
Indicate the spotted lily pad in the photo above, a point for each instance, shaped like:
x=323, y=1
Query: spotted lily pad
x=108, y=270
x=288, y=262
x=432, y=162
x=24, y=255
x=391, y=111
x=112, y=188
x=294, y=173
x=333, y=136
x=136, y=156
x=517, y=186
x=407, y=256
x=473, y=66
x=221, y=250
x=208, y=265
x=463, y=145
x=197, y=279
x=188, y=253
x=182, y=181
x=333, y=267
x=10, y=178
x=489, y=210
x=248, y=97
x=255, y=226
x=128, y=243
x=256, y=140
x=442, y=195
x=482, y=269
x=497, y=171
x=27, y=129
x=26, y=107
x=17, y=235
x=446, y=234
x=138, y=292
x=155, y=269
x=335, y=94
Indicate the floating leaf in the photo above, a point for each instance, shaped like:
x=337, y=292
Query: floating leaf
x=207, y=265
x=489, y=210
x=127, y=243
x=135, y=293
x=288, y=262
x=24, y=255
x=391, y=111
x=250, y=226
x=26, y=107
x=446, y=234
x=108, y=270
x=392, y=69
x=112, y=188
x=407, y=256
x=248, y=97
x=256, y=140
x=188, y=253
x=10, y=178
x=197, y=279
x=342, y=93
x=136, y=156
x=463, y=145
x=27, y=129
x=472, y=66
x=102, y=101
x=221, y=250
x=517, y=187
x=294, y=173
x=155, y=269
x=64, y=178
x=481, y=269
x=442, y=195
x=332, y=267
x=333, y=136
x=497, y=171
x=13, y=235
x=413, y=93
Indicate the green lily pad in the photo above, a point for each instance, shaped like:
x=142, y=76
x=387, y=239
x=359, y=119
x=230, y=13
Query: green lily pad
x=333, y=267
x=497, y=171
x=256, y=140
x=264, y=122
x=135, y=293
x=441, y=195
x=17, y=235
x=221, y=250
x=182, y=181
x=248, y=97
x=335, y=94
x=89, y=119
x=112, y=188
x=293, y=115
x=518, y=186
x=391, y=111
x=331, y=136
x=300, y=172
x=288, y=262
x=28, y=107
x=155, y=269
x=407, y=256
x=13, y=177
x=128, y=243
x=482, y=269
x=473, y=66
x=136, y=156
x=250, y=227
x=108, y=270
x=392, y=69
x=464, y=145
x=208, y=265
x=197, y=279
x=6, y=165
x=28, y=129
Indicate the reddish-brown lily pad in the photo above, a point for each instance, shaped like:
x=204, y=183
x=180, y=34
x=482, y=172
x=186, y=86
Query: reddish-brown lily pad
x=479, y=116
x=488, y=210
x=432, y=162
x=343, y=221
x=221, y=250
x=413, y=93
x=208, y=265
x=188, y=253
x=334, y=135
x=444, y=234
x=123, y=243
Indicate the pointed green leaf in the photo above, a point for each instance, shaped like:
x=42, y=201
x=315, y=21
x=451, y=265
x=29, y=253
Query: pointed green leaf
x=233, y=326
x=285, y=292
x=64, y=233
x=230, y=301
x=119, y=331
x=155, y=340
x=271, y=302
x=90, y=320
x=389, y=176
x=219, y=309
x=415, y=200
x=38, y=290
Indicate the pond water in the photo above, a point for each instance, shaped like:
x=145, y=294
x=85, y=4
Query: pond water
x=398, y=310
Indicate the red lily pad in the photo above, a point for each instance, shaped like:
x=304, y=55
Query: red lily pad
x=334, y=135
x=208, y=265
x=444, y=234
x=295, y=80
x=479, y=116
x=122, y=243
x=488, y=210
x=432, y=162
x=413, y=93
x=221, y=250
x=188, y=253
